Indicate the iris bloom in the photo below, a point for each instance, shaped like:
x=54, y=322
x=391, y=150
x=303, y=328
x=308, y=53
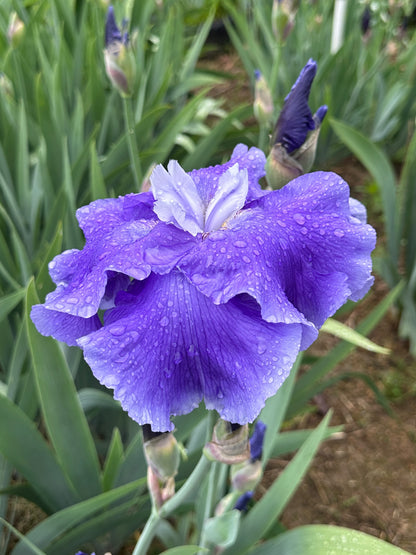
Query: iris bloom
x=206, y=286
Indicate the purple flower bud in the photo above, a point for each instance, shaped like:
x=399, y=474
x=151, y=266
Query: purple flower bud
x=112, y=32
x=257, y=440
x=243, y=501
x=119, y=61
x=295, y=120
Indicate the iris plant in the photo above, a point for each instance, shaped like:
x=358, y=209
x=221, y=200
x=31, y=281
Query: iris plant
x=207, y=286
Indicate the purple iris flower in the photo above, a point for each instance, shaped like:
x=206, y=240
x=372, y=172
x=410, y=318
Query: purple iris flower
x=207, y=286
x=296, y=120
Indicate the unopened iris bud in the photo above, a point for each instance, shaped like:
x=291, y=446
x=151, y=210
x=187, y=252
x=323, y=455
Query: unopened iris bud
x=162, y=453
x=296, y=133
x=243, y=501
x=246, y=476
x=15, y=29
x=283, y=18
x=263, y=102
x=229, y=443
x=120, y=64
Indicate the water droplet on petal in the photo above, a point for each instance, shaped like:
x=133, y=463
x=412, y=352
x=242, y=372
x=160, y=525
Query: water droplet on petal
x=240, y=244
x=299, y=219
x=164, y=321
x=117, y=330
x=339, y=233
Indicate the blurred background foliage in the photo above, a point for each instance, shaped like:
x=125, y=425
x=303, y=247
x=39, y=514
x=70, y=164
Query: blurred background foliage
x=63, y=143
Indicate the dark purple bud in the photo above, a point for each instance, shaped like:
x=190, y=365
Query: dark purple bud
x=365, y=20
x=243, y=501
x=320, y=114
x=112, y=32
x=257, y=440
x=295, y=120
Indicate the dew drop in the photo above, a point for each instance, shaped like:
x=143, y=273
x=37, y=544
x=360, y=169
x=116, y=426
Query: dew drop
x=177, y=358
x=220, y=394
x=117, y=330
x=339, y=233
x=240, y=244
x=299, y=219
x=164, y=321
x=246, y=259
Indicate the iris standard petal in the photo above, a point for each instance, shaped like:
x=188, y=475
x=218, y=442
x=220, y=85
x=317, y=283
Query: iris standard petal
x=166, y=346
x=229, y=198
x=177, y=198
x=298, y=251
x=63, y=327
x=253, y=160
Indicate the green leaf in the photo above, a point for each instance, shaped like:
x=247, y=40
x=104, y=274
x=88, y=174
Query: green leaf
x=65, y=421
x=28, y=544
x=185, y=550
x=263, y=515
x=64, y=522
x=9, y=302
x=340, y=330
x=43, y=280
x=321, y=539
x=287, y=442
x=97, y=185
x=114, y=458
x=23, y=445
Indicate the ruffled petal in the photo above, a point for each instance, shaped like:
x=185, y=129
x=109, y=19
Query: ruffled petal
x=63, y=327
x=133, y=248
x=253, y=160
x=298, y=251
x=166, y=346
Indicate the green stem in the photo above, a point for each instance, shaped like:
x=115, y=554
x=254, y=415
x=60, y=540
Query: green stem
x=188, y=490
x=264, y=139
x=132, y=144
x=209, y=502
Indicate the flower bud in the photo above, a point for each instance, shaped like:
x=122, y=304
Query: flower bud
x=15, y=29
x=296, y=133
x=263, y=102
x=283, y=18
x=246, y=477
x=162, y=454
x=229, y=443
x=120, y=64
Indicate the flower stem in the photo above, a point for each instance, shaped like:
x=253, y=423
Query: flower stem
x=188, y=490
x=131, y=142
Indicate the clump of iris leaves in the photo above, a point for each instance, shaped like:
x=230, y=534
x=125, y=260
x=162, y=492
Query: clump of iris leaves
x=65, y=444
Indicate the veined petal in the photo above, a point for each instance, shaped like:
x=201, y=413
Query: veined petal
x=165, y=346
x=298, y=251
x=228, y=199
x=63, y=327
x=177, y=198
